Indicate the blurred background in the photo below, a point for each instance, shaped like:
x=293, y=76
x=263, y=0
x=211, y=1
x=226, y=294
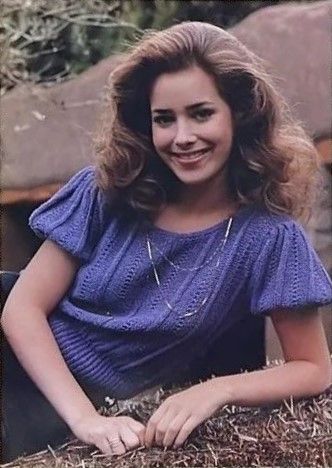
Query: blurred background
x=55, y=60
x=45, y=41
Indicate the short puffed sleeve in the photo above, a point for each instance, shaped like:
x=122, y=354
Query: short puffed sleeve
x=287, y=272
x=74, y=216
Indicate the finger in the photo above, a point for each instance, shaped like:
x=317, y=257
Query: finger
x=163, y=426
x=185, y=431
x=129, y=438
x=173, y=429
x=152, y=425
x=139, y=430
x=104, y=446
x=116, y=445
x=150, y=432
x=135, y=425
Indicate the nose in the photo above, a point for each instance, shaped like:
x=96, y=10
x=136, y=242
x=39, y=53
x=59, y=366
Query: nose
x=184, y=137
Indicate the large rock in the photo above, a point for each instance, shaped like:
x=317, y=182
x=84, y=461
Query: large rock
x=295, y=41
x=47, y=131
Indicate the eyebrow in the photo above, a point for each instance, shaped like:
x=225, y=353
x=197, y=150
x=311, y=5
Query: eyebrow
x=191, y=107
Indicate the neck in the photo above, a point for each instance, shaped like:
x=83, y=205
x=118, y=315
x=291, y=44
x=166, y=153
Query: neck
x=209, y=197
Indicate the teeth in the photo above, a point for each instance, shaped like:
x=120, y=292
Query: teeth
x=193, y=156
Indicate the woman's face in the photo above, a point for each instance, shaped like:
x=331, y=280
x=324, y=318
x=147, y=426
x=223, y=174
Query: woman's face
x=191, y=125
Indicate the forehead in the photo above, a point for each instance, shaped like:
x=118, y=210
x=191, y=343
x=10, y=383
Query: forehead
x=183, y=88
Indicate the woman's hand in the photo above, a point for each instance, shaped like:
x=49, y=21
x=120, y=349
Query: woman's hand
x=113, y=435
x=179, y=414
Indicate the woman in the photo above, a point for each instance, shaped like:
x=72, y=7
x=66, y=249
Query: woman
x=189, y=231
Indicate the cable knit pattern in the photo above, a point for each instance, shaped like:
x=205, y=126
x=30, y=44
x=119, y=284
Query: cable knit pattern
x=113, y=327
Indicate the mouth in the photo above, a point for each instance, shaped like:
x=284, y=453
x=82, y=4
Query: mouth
x=191, y=156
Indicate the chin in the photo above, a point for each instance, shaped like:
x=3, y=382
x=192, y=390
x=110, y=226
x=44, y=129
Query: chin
x=195, y=180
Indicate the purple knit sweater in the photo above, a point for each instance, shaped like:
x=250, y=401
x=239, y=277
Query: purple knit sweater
x=113, y=326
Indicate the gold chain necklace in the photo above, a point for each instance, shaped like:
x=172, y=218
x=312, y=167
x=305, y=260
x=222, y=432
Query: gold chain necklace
x=156, y=276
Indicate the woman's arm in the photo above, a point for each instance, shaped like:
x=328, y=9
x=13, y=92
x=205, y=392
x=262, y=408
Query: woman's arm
x=306, y=372
x=24, y=321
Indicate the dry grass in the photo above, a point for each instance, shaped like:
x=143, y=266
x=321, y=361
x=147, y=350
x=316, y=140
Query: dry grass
x=41, y=39
x=290, y=435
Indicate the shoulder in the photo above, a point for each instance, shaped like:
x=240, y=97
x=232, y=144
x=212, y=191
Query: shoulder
x=268, y=224
x=263, y=230
x=76, y=216
x=286, y=272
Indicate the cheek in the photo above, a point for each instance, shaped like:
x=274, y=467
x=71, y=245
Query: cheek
x=161, y=138
x=223, y=130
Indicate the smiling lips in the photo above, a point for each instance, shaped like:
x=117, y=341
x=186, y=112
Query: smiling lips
x=191, y=156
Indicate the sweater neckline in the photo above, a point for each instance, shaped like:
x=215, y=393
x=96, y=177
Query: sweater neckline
x=242, y=210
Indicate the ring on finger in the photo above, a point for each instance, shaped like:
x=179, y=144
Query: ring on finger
x=116, y=443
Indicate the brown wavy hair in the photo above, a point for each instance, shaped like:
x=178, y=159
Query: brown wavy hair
x=272, y=161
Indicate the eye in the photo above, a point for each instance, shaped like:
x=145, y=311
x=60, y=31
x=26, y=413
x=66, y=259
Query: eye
x=163, y=120
x=203, y=114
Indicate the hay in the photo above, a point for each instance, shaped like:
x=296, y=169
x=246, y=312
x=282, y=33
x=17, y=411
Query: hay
x=290, y=435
